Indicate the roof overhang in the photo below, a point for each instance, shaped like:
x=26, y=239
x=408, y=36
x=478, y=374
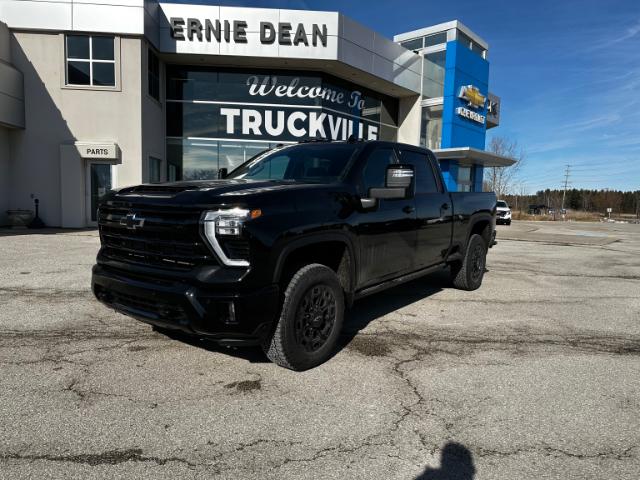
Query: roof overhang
x=346, y=48
x=473, y=155
x=442, y=27
x=222, y=35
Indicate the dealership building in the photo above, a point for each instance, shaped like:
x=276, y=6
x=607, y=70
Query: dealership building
x=100, y=94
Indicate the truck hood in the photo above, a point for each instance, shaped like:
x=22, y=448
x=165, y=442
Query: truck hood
x=204, y=193
x=212, y=187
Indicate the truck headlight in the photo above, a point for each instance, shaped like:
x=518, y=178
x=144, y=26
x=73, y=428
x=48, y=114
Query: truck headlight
x=219, y=224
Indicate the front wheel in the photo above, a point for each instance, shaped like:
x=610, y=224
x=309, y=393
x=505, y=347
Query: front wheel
x=310, y=320
x=468, y=274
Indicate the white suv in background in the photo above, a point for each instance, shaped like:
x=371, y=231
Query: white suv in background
x=503, y=213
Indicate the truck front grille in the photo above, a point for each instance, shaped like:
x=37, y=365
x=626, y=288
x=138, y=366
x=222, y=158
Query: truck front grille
x=163, y=238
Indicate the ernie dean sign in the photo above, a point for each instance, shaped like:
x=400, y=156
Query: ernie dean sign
x=235, y=31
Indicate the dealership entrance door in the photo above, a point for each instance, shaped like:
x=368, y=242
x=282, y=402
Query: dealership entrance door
x=99, y=181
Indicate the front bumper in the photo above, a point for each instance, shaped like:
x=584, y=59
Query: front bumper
x=229, y=317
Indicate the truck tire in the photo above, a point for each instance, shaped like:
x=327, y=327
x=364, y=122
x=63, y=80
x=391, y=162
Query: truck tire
x=310, y=319
x=468, y=274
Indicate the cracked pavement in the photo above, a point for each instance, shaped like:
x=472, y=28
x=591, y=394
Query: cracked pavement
x=535, y=375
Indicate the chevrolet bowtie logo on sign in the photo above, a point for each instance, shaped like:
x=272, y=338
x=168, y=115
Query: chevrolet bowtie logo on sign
x=472, y=95
x=131, y=221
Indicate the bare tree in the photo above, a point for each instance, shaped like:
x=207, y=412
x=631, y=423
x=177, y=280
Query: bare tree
x=503, y=180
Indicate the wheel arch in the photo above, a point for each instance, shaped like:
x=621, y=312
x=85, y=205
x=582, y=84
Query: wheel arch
x=480, y=225
x=334, y=250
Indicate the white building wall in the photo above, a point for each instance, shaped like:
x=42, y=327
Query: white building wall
x=4, y=174
x=153, y=120
x=409, y=117
x=57, y=115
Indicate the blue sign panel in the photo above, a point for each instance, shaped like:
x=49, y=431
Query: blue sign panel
x=465, y=93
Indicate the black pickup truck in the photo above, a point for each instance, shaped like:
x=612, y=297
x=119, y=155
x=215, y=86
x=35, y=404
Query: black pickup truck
x=273, y=252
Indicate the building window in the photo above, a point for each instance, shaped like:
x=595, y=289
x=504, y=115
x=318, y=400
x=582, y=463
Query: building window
x=433, y=70
x=415, y=44
x=154, y=169
x=431, y=127
x=465, y=178
x=435, y=39
x=153, y=70
x=90, y=60
x=471, y=45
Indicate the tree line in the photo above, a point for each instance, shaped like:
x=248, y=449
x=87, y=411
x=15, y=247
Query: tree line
x=580, y=199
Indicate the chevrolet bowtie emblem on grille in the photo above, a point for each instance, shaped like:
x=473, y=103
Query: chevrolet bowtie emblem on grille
x=132, y=221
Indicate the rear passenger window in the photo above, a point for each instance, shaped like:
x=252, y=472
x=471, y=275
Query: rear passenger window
x=375, y=170
x=425, y=179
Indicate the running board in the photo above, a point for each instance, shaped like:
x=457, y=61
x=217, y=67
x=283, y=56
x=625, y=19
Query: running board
x=397, y=281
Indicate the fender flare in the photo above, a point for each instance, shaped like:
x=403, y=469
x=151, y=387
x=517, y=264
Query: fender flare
x=475, y=219
x=310, y=239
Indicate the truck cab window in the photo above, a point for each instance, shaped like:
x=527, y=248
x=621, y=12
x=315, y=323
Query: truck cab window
x=375, y=170
x=310, y=163
x=425, y=179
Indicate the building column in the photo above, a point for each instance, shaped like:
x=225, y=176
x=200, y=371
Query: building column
x=478, y=173
x=450, y=173
x=409, y=117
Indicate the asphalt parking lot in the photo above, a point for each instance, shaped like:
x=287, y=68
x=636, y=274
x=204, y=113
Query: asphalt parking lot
x=535, y=375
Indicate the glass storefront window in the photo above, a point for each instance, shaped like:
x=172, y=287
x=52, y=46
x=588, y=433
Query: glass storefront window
x=201, y=159
x=465, y=178
x=431, y=127
x=433, y=70
x=218, y=118
x=154, y=169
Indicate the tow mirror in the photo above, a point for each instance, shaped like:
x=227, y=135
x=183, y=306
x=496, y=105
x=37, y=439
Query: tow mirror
x=222, y=173
x=397, y=183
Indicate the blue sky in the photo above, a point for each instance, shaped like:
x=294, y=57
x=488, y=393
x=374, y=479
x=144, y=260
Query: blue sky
x=568, y=73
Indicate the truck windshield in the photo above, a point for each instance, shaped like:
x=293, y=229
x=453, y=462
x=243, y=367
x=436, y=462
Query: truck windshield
x=502, y=204
x=323, y=163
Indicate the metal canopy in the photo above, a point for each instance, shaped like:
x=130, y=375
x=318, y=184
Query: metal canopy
x=473, y=155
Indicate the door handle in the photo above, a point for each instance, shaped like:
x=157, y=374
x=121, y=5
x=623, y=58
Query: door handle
x=408, y=209
x=444, y=206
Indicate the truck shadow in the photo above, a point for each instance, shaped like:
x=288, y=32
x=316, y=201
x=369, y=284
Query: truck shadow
x=361, y=314
x=369, y=309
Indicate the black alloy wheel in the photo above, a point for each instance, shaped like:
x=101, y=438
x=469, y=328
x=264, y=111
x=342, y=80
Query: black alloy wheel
x=310, y=321
x=477, y=261
x=468, y=273
x=315, y=318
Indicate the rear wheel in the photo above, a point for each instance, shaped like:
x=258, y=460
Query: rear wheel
x=468, y=274
x=310, y=320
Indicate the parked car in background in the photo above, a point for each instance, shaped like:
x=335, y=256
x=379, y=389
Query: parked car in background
x=503, y=213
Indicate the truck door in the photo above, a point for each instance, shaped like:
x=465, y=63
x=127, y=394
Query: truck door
x=434, y=210
x=387, y=232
